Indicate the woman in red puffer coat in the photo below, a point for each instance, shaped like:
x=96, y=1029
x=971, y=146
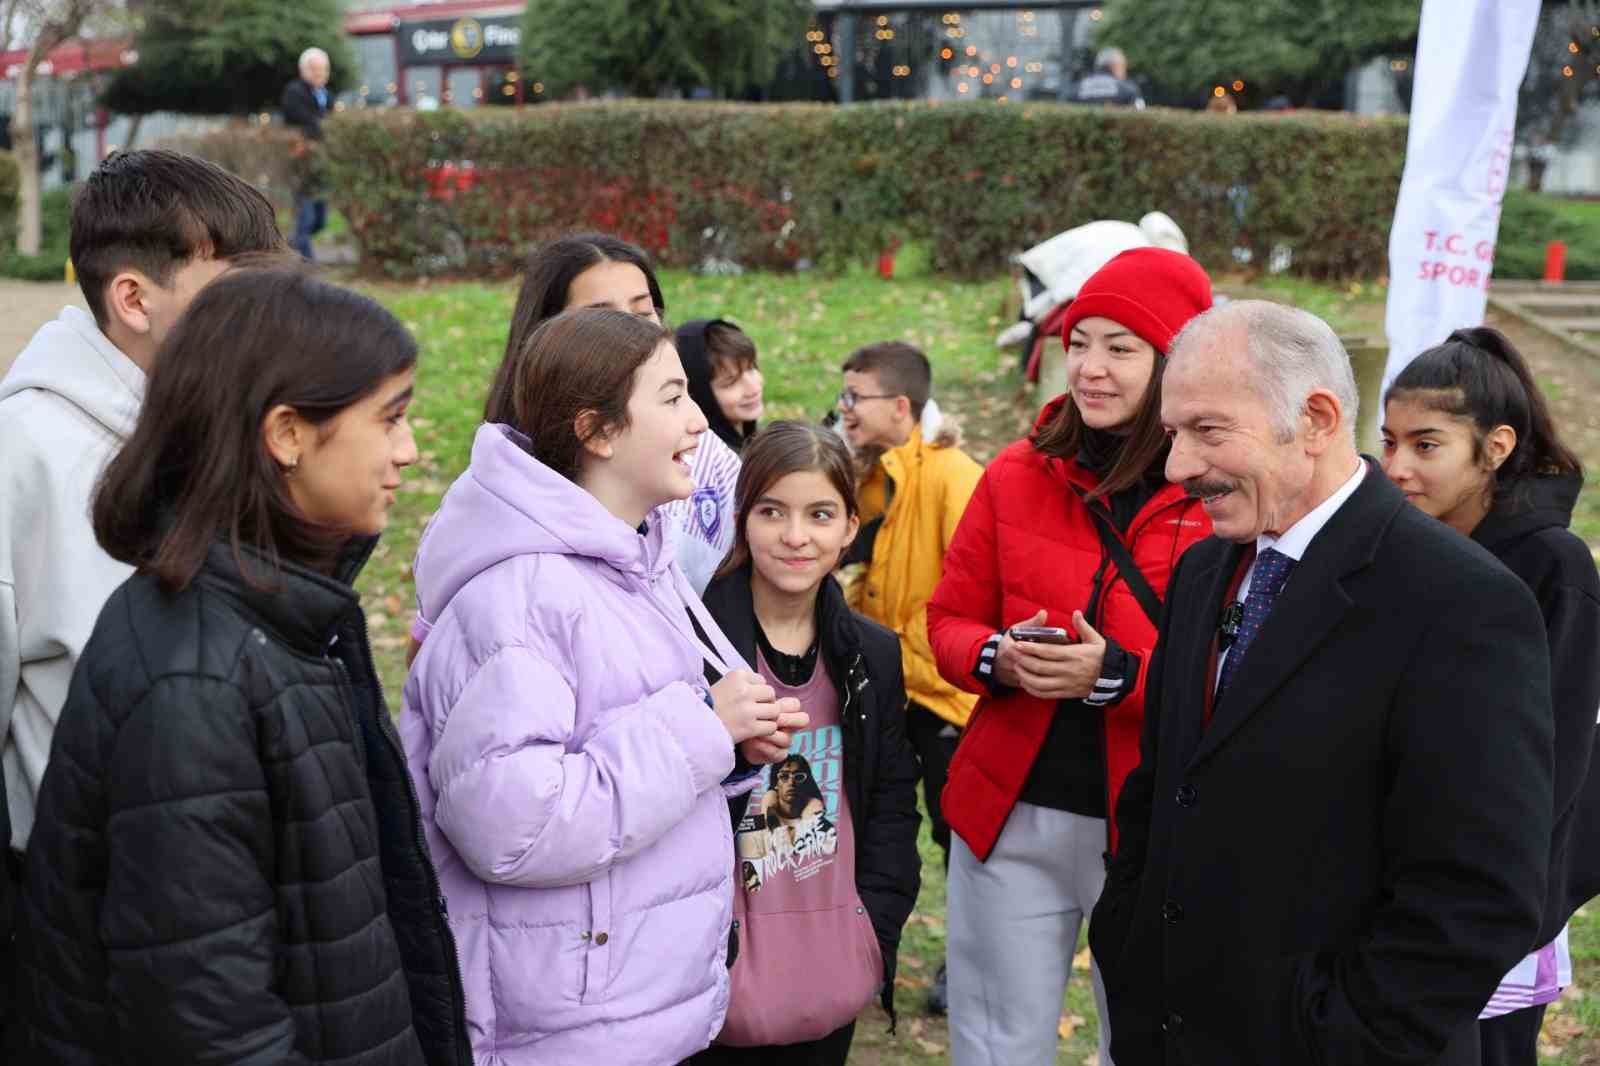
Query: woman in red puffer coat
x=1074, y=528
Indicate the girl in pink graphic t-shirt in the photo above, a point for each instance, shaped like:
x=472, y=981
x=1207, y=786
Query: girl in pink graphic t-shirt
x=826, y=858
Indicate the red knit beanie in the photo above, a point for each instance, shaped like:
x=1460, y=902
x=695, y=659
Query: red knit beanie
x=1152, y=291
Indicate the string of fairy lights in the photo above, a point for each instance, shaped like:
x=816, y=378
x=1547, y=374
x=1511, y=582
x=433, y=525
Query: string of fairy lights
x=974, y=71
x=1569, y=70
x=960, y=51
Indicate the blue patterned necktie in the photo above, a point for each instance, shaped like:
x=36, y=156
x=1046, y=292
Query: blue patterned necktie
x=1272, y=570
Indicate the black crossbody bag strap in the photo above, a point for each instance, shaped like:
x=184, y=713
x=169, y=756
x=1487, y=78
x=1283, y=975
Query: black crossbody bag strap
x=1137, y=583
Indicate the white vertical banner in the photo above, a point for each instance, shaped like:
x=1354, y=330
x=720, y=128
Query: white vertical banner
x=1471, y=58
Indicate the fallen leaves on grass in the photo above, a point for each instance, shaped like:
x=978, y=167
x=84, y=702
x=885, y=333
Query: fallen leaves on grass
x=1560, y=1027
x=919, y=1037
x=1559, y=1030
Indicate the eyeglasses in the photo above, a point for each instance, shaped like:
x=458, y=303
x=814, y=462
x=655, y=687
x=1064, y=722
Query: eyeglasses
x=797, y=776
x=850, y=397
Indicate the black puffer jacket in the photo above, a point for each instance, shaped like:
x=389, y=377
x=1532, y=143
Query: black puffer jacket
x=227, y=865
x=880, y=768
x=1528, y=533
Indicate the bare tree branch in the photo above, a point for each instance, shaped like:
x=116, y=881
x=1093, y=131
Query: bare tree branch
x=54, y=22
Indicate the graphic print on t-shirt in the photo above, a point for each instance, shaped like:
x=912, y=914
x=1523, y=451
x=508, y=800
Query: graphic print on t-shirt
x=790, y=830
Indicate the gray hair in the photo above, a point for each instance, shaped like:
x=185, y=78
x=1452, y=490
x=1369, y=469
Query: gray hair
x=1106, y=58
x=313, y=53
x=1291, y=353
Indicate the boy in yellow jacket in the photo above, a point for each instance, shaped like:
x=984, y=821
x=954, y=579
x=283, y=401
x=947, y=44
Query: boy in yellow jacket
x=912, y=496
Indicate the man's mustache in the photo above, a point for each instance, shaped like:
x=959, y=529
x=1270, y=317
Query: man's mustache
x=1203, y=488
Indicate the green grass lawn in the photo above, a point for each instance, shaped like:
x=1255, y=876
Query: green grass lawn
x=804, y=326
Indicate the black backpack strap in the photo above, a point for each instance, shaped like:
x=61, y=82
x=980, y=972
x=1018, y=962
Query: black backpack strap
x=1137, y=583
x=712, y=674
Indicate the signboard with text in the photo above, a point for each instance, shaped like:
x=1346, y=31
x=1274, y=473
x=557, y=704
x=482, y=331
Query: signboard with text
x=1471, y=56
x=486, y=40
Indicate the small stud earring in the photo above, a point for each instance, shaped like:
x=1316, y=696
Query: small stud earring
x=288, y=471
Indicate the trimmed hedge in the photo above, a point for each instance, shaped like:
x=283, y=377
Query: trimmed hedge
x=1528, y=222
x=770, y=185
x=10, y=189
x=275, y=159
x=55, y=223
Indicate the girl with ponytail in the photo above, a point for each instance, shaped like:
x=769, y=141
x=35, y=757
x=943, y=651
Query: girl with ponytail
x=1468, y=438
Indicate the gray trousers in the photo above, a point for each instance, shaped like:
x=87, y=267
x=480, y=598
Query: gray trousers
x=1012, y=927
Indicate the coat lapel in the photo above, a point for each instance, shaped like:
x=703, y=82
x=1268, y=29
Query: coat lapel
x=1195, y=646
x=1311, y=605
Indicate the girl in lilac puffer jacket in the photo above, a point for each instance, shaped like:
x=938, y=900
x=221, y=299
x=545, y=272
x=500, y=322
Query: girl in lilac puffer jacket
x=573, y=765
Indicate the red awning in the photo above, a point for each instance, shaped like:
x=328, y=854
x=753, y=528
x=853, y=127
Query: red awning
x=73, y=57
x=385, y=19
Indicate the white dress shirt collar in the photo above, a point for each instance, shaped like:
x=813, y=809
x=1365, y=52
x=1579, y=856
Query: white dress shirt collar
x=1294, y=541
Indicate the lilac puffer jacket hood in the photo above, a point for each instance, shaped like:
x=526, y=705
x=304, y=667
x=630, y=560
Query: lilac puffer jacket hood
x=570, y=772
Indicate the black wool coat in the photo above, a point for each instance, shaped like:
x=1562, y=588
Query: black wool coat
x=228, y=864
x=1528, y=533
x=301, y=110
x=880, y=768
x=1340, y=868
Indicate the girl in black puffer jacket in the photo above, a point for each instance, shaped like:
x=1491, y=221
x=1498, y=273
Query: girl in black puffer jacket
x=227, y=865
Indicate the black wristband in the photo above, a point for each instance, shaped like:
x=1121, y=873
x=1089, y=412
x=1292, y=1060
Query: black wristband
x=1117, y=670
x=984, y=670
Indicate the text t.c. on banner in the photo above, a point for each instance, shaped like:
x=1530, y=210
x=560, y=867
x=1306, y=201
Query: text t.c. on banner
x=1471, y=58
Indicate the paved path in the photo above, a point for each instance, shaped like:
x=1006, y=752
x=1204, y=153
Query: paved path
x=24, y=307
x=1570, y=310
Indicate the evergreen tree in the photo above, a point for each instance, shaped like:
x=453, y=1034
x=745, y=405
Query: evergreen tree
x=1563, y=76
x=646, y=46
x=226, y=57
x=1275, y=47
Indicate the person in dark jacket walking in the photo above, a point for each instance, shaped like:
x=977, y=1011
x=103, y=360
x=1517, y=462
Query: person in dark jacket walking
x=1336, y=841
x=305, y=102
x=227, y=864
x=834, y=890
x=1468, y=439
x=1109, y=84
x=1076, y=529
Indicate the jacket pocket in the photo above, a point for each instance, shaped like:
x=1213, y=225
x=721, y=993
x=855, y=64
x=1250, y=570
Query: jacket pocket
x=1108, y=930
x=598, y=938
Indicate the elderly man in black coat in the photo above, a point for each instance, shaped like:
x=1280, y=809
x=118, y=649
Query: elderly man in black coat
x=1335, y=845
x=305, y=101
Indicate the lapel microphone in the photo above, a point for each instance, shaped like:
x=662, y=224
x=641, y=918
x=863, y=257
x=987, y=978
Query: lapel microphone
x=1228, y=625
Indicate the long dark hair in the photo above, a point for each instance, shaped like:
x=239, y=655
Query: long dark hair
x=582, y=360
x=196, y=466
x=1477, y=374
x=1142, y=450
x=783, y=448
x=547, y=281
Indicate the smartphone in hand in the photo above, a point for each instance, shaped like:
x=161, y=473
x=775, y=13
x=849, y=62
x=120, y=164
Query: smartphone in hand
x=1041, y=634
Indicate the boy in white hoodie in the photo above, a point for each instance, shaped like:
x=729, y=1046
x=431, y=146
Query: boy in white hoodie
x=149, y=230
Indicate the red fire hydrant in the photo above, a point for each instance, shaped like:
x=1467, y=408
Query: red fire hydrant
x=886, y=259
x=1555, y=261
